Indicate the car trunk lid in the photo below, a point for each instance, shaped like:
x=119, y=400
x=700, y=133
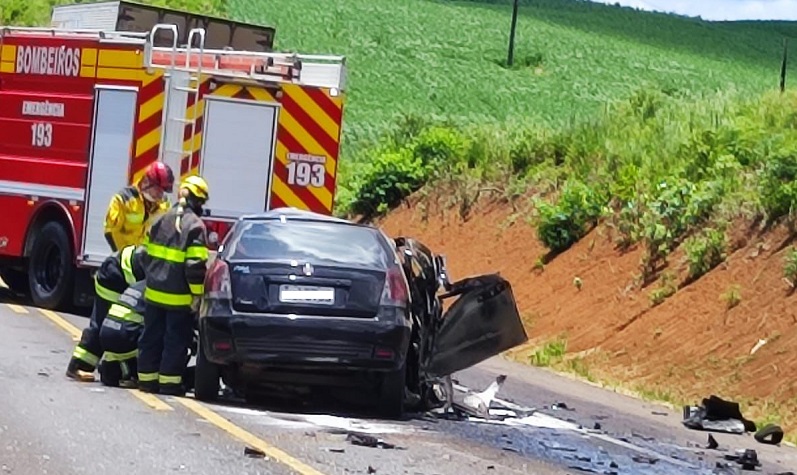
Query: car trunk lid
x=282, y=288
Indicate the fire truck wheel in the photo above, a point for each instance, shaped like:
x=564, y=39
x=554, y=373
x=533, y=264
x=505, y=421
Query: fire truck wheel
x=50, y=269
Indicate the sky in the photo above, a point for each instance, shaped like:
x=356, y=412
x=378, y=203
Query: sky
x=719, y=9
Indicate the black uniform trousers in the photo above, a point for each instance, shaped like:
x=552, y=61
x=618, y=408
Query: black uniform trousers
x=109, y=282
x=89, y=350
x=119, y=338
x=163, y=349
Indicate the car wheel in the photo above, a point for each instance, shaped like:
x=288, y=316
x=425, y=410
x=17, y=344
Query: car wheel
x=51, y=270
x=206, y=377
x=16, y=280
x=391, y=400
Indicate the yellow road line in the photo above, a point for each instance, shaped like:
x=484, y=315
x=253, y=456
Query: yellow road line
x=61, y=322
x=151, y=400
x=248, y=438
x=209, y=415
x=17, y=308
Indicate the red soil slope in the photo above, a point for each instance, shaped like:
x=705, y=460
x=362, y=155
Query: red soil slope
x=685, y=349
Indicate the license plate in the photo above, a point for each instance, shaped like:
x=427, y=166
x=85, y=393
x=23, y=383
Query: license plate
x=307, y=294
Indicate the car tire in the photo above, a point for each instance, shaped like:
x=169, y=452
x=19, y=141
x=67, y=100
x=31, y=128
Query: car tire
x=206, y=377
x=16, y=280
x=391, y=400
x=51, y=270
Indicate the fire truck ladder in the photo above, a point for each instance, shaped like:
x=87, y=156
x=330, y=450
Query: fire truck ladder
x=192, y=89
x=258, y=66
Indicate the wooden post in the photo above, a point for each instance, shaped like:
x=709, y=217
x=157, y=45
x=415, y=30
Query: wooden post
x=783, y=65
x=511, y=55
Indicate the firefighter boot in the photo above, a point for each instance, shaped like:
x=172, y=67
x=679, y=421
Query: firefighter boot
x=79, y=371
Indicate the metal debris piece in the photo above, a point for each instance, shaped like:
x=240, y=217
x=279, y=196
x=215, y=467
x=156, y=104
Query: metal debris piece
x=644, y=459
x=43, y=373
x=366, y=440
x=254, y=453
x=747, y=458
x=712, y=442
x=335, y=450
x=659, y=413
x=560, y=405
x=371, y=469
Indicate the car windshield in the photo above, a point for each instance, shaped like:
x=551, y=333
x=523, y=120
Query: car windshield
x=318, y=242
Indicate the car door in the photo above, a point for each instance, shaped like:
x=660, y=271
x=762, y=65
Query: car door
x=482, y=322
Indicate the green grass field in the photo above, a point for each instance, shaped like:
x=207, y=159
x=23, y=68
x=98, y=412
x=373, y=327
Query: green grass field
x=438, y=58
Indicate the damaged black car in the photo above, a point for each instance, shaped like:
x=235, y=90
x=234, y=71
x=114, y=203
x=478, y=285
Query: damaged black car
x=295, y=298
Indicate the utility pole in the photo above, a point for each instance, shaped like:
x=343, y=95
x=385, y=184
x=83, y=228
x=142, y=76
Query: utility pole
x=511, y=56
x=783, y=65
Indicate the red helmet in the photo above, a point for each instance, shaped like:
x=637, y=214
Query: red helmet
x=159, y=174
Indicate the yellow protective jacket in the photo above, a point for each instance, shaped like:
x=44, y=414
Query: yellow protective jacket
x=129, y=216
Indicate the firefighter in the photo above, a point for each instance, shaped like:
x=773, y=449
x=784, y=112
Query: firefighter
x=119, y=335
x=117, y=272
x=177, y=256
x=135, y=206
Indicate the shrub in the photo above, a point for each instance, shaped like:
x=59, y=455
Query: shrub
x=705, y=252
x=778, y=184
x=562, y=224
x=440, y=148
x=390, y=178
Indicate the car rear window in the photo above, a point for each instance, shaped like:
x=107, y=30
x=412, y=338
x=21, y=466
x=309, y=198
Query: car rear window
x=310, y=241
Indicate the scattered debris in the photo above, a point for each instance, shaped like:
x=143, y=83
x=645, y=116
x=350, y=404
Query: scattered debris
x=335, y=450
x=557, y=447
x=44, y=373
x=747, y=458
x=560, y=405
x=659, y=413
x=371, y=469
x=717, y=415
x=770, y=434
x=644, y=459
x=597, y=426
x=254, y=453
x=712, y=443
x=480, y=402
x=366, y=440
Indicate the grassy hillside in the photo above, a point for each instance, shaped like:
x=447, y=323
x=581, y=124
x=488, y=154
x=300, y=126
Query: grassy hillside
x=442, y=58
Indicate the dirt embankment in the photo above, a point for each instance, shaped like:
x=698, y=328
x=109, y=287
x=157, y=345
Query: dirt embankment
x=690, y=346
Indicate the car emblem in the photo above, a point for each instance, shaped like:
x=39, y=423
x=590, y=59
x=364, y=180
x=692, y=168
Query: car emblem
x=308, y=269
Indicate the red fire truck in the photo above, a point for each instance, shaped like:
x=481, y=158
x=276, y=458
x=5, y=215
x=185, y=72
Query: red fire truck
x=86, y=105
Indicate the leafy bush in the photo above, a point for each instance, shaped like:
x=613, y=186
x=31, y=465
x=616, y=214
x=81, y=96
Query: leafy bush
x=562, y=224
x=778, y=186
x=439, y=148
x=386, y=181
x=705, y=252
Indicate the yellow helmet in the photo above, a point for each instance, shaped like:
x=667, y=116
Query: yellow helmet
x=197, y=186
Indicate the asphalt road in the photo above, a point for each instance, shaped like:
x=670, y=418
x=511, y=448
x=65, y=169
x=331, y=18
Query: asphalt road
x=49, y=424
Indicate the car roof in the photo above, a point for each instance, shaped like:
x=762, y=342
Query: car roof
x=295, y=213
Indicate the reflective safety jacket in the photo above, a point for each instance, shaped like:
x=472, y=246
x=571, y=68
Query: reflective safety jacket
x=176, y=259
x=125, y=321
x=119, y=271
x=128, y=217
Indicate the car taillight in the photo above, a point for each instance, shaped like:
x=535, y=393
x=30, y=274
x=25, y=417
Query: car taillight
x=395, y=293
x=217, y=283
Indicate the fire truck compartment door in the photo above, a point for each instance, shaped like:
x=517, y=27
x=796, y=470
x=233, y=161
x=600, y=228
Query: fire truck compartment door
x=237, y=150
x=114, y=119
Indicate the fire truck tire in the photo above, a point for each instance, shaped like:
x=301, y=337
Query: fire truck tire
x=16, y=280
x=51, y=271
